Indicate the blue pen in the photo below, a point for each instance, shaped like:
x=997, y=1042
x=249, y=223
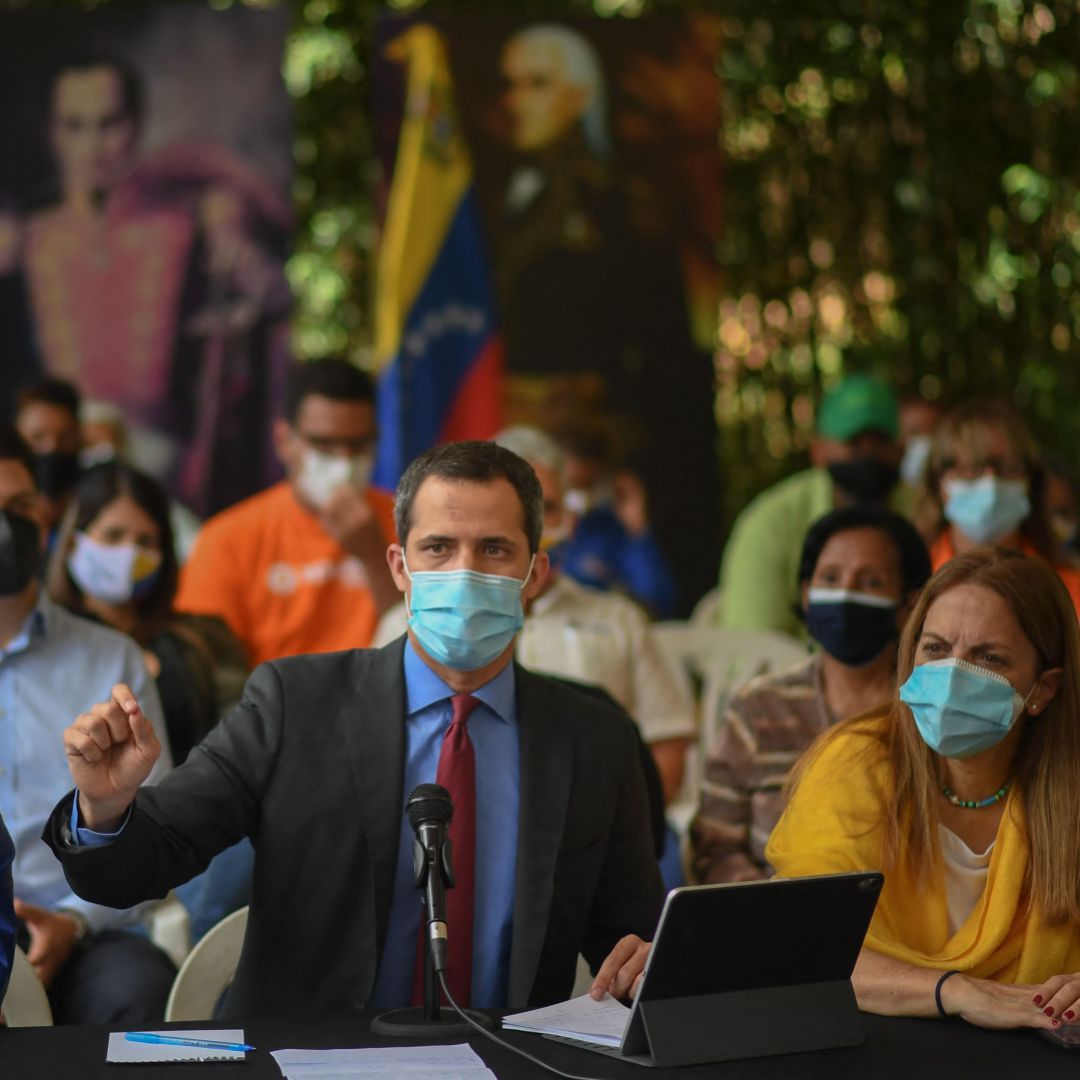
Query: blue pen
x=177, y=1040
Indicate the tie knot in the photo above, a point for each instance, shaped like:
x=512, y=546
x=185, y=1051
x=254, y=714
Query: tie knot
x=462, y=705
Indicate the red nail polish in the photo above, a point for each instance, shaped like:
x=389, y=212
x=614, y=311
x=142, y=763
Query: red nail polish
x=1069, y=1015
x=1055, y=1023
x=1037, y=999
x=1048, y=1010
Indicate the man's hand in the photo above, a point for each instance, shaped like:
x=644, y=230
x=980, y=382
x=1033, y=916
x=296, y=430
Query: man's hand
x=110, y=751
x=350, y=520
x=52, y=936
x=620, y=973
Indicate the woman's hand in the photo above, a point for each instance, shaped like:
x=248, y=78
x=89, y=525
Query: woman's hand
x=620, y=973
x=1059, y=997
x=989, y=1004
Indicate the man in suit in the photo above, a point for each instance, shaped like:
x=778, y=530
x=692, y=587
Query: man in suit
x=315, y=764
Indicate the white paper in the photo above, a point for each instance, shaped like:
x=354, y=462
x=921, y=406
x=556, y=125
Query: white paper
x=581, y=1018
x=457, y=1061
x=121, y=1050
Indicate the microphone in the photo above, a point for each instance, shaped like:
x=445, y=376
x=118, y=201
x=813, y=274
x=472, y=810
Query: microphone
x=429, y=810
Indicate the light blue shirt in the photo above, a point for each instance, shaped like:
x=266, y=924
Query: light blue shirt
x=57, y=666
x=493, y=729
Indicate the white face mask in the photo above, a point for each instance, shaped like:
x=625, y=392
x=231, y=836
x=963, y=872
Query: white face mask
x=916, y=458
x=112, y=573
x=322, y=474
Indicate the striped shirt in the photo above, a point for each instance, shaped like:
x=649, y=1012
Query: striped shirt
x=766, y=726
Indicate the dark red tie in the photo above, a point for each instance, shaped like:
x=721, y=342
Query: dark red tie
x=457, y=773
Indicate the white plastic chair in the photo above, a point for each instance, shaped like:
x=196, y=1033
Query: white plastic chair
x=734, y=658
x=26, y=1004
x=208, y=970
x=169, y=925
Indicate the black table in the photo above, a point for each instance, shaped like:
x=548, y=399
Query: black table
x=906, y=1049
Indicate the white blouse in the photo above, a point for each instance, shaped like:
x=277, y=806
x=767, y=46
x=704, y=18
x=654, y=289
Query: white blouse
x=965, y=876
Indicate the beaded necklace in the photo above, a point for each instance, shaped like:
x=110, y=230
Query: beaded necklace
x=975, y=804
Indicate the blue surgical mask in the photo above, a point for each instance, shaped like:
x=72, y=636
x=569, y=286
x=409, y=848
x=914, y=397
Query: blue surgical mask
x=961, y=709
x=462, y=618
x=986, y=509
x=853, y=627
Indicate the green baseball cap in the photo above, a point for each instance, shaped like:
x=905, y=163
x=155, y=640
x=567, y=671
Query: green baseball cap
x=858, y=403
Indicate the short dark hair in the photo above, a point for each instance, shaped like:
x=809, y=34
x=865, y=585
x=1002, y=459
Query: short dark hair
x=914, y=558
x=58, y=392
x=13, y=447
x=330, y=377
x=476, y=462
x=97, y=487
x=131, y=84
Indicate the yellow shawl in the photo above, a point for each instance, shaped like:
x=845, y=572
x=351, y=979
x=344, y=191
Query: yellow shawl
x=835, y=823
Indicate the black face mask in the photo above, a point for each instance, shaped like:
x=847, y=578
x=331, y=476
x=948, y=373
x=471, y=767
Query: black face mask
x=56, y=472
x=851, y=632
x=865, y=479
x=20, y=552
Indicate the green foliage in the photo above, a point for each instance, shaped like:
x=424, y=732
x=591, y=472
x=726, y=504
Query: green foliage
x=903, y=194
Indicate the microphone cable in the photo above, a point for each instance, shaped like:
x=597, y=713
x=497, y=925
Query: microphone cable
x=502, y=1042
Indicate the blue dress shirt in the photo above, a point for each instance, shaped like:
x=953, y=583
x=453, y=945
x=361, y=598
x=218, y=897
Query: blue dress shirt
x=7, y=909
x=493, y=729
x=56, y=667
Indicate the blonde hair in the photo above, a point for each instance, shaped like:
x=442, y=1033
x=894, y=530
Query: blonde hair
x=1046, y=770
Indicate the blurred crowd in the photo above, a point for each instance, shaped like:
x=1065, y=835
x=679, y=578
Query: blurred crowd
x=105, y=578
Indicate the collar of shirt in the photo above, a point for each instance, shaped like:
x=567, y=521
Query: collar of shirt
x=36, y=624
x=424, y=688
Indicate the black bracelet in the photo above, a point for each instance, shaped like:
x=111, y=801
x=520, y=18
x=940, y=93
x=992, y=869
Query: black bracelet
x=937, y=991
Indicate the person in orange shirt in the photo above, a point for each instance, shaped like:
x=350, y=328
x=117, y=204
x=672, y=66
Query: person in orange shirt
x=985, y=486
x=301, y=567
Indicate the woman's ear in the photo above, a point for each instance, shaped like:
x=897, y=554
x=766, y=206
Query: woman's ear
x=1045, y=690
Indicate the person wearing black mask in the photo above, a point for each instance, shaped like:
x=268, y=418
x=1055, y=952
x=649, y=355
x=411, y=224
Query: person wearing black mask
x=860, y=572
x=855, y=458
x=47, y=417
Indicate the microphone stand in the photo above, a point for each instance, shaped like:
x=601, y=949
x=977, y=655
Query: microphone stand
x=428, y=1021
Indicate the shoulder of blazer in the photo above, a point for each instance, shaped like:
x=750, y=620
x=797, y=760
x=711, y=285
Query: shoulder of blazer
x=348, y=664
x=576, y=707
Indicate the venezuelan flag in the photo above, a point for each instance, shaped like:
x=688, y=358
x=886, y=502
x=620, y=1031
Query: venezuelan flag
x=439, y=352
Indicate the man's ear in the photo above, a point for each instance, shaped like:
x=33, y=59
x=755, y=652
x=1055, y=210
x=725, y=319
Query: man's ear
x=284, y=442
x=540, y=570
x=395, y=559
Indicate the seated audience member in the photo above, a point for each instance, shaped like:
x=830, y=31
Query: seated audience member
x=114, y=561
x=1062, y=506
x=550, y=835
x=613, y=546
x=7, y=909
x=918, y=420
x=94, y=970
x=579, y=633
x=862, y=568
x=301, y=567
x=963, y=791
x=986, y=485
x=855, y=460
x=47, y=417
x=107, y=436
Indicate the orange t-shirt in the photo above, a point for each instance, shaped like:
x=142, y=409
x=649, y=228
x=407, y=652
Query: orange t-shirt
x=283, y=585
x=943, y=549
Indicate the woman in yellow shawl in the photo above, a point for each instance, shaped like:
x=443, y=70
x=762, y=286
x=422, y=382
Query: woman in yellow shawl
x=966, y=792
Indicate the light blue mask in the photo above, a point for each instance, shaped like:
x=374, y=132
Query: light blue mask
x=988, y=508
x=961, y=709
x=462, y=618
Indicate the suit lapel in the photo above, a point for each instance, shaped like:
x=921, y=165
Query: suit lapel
x=546, y=773
x=374, y=725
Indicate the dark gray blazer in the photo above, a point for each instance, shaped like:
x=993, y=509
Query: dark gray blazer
x=310, y=765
